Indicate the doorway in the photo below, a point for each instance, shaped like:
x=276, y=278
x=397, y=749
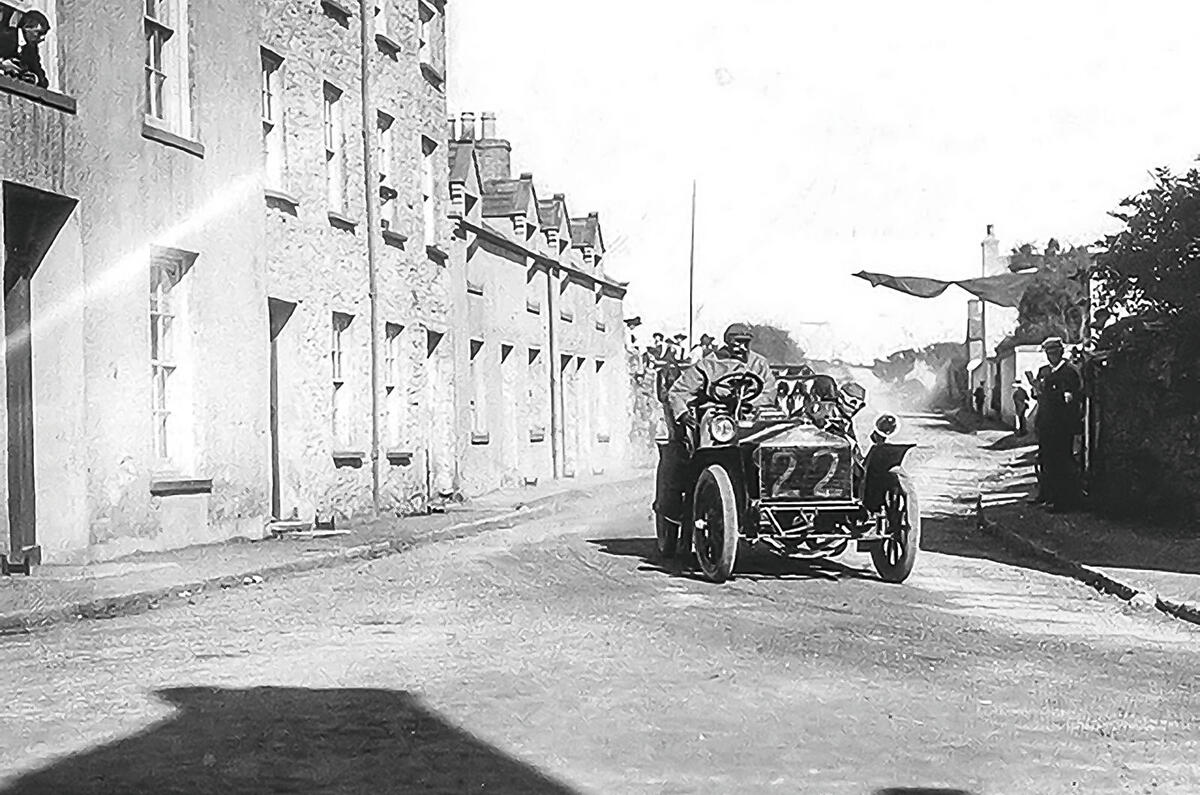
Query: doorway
x=279, y=313
x=32, y=221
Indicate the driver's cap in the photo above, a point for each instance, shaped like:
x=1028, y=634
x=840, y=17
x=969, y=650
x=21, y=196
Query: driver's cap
x=738, y=331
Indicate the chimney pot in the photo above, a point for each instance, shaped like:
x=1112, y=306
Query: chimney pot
x=593, y=215
x=989, y=230
x=526, y=176
x=468, y=126
x=560, y=196
x=488, y=124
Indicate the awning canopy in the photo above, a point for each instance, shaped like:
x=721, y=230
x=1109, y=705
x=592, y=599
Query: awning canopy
x=1004, y=289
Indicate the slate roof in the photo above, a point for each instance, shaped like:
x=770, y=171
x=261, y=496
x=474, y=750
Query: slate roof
x=460, y=161
x=506, y=197
x=586, y=232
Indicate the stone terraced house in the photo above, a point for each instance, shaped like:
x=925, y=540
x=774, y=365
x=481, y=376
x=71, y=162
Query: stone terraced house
x=189, y=257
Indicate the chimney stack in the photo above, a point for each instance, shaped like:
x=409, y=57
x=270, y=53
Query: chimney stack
x=488, y=123
x=468, y=126
x=452, y=123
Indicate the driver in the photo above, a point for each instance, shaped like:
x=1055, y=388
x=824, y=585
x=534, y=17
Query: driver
x=735, y=357
x=691, y=388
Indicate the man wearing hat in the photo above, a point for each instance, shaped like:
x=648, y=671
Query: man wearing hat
x=1058, y=390
x=688, y=389
x=703, y=348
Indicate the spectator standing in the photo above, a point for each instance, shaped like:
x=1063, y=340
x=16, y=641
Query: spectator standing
x=706, y=347
x=1020, y=398
x=979, y=395
x=20, y=36
x=1058, y=391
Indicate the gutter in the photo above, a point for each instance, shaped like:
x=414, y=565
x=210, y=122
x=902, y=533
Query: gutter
x=366, y=13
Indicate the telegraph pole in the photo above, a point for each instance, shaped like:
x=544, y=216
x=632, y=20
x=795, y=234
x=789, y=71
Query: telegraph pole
x=692, y=272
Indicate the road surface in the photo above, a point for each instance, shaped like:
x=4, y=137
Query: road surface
x=558, y=657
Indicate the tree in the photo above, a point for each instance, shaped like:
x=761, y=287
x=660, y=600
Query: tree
x=1055, y=302
x=775, y=344
x=1152, y=266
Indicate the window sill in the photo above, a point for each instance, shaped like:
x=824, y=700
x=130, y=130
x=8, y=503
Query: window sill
x=566, y=317
x=433, y=75
x=387, y=45
x=473, y=288
x=338, y=12
x=435, y=253
x=394, y=239
x=533, y=307
x=349, y=458
x=153, y=132
x=172, y=486
x=600, y=326
x=343, y=222
x=42, y=96
x=281, y=200
x=537, y=435
x=399, y=457
x=603, y=438
x=480, y=437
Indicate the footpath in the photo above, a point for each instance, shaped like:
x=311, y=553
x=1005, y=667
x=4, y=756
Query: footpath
x=147, y=581
x=1149, y=567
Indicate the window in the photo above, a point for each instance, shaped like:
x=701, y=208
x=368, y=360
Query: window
x=383, y=156
x=272, y=118
x=478, y=390
x=428, y=185
x=168, y=74
x=381, y=18
x=335, y=150
x=341, y=393
x=394, y=383
x=169, y=402
x=600, y=409
x=432, y=34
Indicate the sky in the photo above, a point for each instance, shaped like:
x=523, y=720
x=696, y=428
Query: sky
x=827, y=138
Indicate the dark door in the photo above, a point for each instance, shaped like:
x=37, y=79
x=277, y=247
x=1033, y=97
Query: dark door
x=279, y=312
x=19, y=364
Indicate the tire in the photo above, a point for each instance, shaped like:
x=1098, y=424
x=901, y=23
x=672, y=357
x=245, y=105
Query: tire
x=894, y=558
x=667, y=532
x=715, y=530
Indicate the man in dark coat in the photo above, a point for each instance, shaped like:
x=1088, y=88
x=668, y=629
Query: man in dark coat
x=20, y=36
x=1058, y=390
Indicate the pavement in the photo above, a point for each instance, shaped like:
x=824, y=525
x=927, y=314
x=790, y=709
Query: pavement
x=1148, y=565
x=148, y=581
x=559, y=655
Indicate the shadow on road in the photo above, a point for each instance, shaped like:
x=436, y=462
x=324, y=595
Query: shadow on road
x=920, y=791
x=753, y=564
x=281, y=739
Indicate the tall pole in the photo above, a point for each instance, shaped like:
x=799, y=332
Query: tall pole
x=983, y=365
x=366, y=13
x=692, y=271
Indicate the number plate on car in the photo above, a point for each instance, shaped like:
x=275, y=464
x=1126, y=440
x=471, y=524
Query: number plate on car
x=791, y=473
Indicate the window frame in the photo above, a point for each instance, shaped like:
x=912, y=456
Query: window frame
x=333, y=127
x=272, y=88
x=167, y=66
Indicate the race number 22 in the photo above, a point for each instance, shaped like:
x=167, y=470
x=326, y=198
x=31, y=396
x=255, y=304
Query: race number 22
x=824, y=464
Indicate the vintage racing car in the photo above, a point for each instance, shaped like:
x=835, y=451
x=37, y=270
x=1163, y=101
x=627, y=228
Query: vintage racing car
x=790, y=478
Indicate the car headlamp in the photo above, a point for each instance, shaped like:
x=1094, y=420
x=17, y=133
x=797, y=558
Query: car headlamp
x=722, y=429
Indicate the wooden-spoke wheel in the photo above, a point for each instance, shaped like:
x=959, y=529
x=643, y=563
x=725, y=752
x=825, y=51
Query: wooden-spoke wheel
x=895, y=556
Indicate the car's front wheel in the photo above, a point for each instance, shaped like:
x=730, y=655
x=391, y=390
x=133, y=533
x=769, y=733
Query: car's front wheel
x=715, y=522
x=895, y=556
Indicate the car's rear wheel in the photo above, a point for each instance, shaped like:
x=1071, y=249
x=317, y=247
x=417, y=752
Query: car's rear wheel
x=715, y=522
x=667, y=533
x=895, y=556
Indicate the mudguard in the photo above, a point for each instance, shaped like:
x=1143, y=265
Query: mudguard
x=883, y=467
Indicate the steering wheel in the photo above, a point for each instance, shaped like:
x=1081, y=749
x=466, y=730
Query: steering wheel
x=741, y=387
